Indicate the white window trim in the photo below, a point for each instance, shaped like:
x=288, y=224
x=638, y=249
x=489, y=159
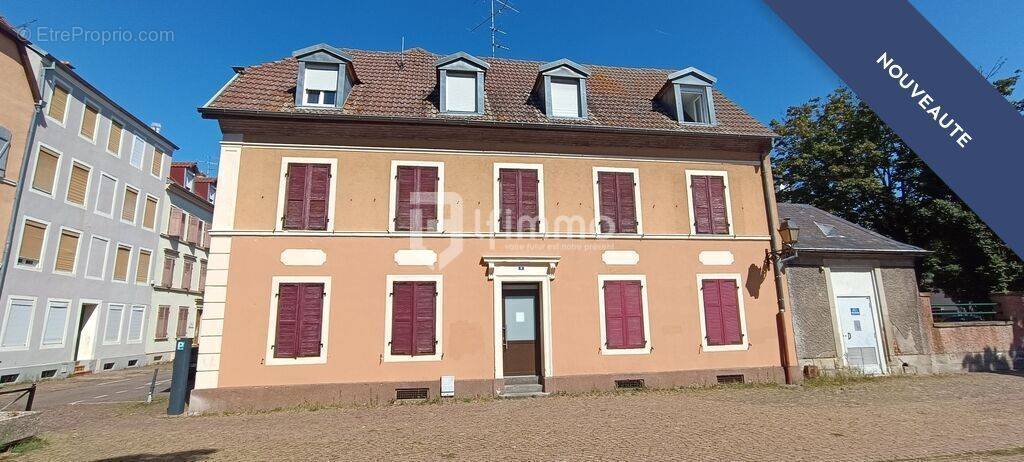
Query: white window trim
x=496, y=205
x=156, y=213
x=636, y=197
x=67, y=104
x=96, y=124
x=128, y=271
x=78, y=252
x=42, y=251
x=332, y=194
x=438, y=310
x=120, y=325
x=544, y=282
x=88, y=184
x=138, y=195
x=325, y=321
x=320, y=98
x=31, y=322
x=120, y=142
x=113, y=197
x=56, y=170
x=705, y=93
x=46, y=320
x=142, y=328
x=728, y=200
x=149, y=270
x=579, y=101
x=392, y=203
x=745, y=344
x=106, y=258
x=601, y=279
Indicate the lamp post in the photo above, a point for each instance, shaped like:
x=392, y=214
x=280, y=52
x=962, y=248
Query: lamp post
x=789, y=234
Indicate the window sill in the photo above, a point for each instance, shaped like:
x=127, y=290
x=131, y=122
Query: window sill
x=625, y=351
x=388, y=358
x=272, y=361
x=716, y=348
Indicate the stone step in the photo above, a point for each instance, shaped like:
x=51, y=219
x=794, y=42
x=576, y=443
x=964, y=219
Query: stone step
x=523, y=395
x=522, y=380
x=523, y=388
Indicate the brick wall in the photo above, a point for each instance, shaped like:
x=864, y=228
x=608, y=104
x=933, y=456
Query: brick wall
x=975, y=345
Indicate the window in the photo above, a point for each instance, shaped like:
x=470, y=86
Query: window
x=97, y=264
x=202, y=275
x=710, y=211
x=176, y=225
x=460, y=91
x=45, y=174
x=112, y=329
x=162, y=315
x=5, y=149
x=67, y=251
x=33, y=237
x=307, y=196
x=190, y=180
x=121, y=257
x=157, y=166
x=193, y=229
x=299, y=320
x=625, y=328
x=321, y=84
x=723, y=323
x=105, y=195
x=417, y=193
x=413, y=329
x=114, y=138
x=617, y=196
x=186, y=274
x=17, y=323
x=138, y=152
x=565, y=97
x=149, y=213
x=78, y=184
x=55, y=323
x=213, y=194
x=695, y=107
x=142, y=266
x=168, y=276
x=136, y=319
x=130, y=203
x=182, y=328
x=90, y=120
x=518, y=198
x=58, y=107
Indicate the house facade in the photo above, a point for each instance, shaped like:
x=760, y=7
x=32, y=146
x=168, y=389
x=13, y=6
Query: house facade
x=405, y=225
x=182, y=258
x=76, y=291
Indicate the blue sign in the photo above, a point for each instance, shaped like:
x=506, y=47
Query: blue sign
x=181, y=345
x=855, y=311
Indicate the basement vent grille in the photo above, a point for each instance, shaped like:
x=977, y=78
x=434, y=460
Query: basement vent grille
x=411, y=393
x=158, y=357
x=731, y=378
x=108, y=366
x=132, y=362
x=48, y=373
x=9, y=378
x=629, y=383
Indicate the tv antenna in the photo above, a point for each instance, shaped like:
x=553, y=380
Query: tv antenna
x=498, y=7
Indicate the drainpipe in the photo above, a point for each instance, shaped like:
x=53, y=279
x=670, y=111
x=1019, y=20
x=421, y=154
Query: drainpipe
x=781, y=321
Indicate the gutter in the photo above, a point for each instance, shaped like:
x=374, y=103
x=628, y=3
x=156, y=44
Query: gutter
x=767, y=183
x=908, y=252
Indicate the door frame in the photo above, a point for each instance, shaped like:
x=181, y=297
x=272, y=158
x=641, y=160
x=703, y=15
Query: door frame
x=874, y=299
x=78, y=328
x=520, y=289
x=544, y=299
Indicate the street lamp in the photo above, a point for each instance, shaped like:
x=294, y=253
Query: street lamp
x=789, y=234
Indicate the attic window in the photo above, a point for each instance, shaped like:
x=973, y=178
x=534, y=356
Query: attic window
x=828, y=230
x=190, y=179
x=565, y=97
x=695, y=107
x=460, y=79
x=321, y=84
x=460, y=94
x=688, y=96
x=562, y=86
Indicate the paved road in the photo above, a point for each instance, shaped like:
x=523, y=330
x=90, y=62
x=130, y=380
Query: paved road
x=105, y=387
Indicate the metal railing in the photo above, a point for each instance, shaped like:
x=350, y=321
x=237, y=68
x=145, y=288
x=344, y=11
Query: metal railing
x=962, y=312
x=29, y=391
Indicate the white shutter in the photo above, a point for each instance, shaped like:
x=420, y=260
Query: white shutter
x=112, y=330
x=105, y=195
x=56, y=323
x=97, y=257
x=16, y=326
x=135, y=323
x=460, y=91
x=321, y=78
x=138, y=151
x=565, y=100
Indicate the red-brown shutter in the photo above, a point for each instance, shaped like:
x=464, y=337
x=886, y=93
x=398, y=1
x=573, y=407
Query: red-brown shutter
x=319, y=192
x=719, y=217
x=426, y=198
x=310, y=319
x=617, y=202
x=182, y=328
x=416, y=198
x=520, y=209
x=721, y=312
x=286, y=339
x=709, y=204
x=295, y=196
x=624, y=315
x=186, y=275
x=403, y=299
x=174, y=225
x=168, y=277
x=627, y=202
x=413, y=315
x=193, y=230
x=425, y=311
x=161, y=321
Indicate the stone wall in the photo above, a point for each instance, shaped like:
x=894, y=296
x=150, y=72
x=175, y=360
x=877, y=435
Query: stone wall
x=975, y=346
x=812, y=312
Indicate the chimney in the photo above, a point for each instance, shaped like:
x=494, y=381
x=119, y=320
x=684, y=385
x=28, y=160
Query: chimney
x=156, y=126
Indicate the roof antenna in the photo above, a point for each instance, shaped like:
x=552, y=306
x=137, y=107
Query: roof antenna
x=401, y=56
x=497, y=8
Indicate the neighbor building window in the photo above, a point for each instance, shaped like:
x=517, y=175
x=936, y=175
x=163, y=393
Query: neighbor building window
x=710, y=209
x=58, y=106
x=149, y=213
x=299, y=320
x=90, y=120
x=168, y=277
x=321, y=84
x=186, y=274
x=105, y=195
x=519, y=199
x=618, y=206
x=414, y=318
x=45, y=174
x=129, y=204
x=202, y=275
x=182, y=328
x=138, y=152
x=307, y=196
x=121, y=258
x=78, y=184
x=114, y=137
x=96, y=265
x=163, y=313
x=67, y=251
x=33, y=235
x=721, y=308
x=136, y=319
x=190, y=180
x=416, y=194
x=55, y=324
x=142, y=266
x=112, y=328
x=17, y=323
x=176, y=225
x=156, y=167
x=623, y=307
x=5, y=149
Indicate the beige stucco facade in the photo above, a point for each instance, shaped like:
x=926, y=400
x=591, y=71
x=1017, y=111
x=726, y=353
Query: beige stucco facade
x=16, y=112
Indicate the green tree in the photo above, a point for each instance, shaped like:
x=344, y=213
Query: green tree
x=836, y=154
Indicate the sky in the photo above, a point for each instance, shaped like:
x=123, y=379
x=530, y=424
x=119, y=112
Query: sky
x=760, y=63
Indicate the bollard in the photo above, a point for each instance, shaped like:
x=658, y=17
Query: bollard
x=179, y=376
x=152, y=386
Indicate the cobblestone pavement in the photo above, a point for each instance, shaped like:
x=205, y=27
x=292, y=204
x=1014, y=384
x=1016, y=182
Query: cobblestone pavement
x=961, y=417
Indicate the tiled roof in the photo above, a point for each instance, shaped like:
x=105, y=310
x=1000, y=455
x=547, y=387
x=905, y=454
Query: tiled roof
x=845, y=237
x=392, y=86
x=183, y=164
x=206, y=179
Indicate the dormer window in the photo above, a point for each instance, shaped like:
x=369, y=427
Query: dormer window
x=213, y=193
x=460, y=78
x=687, y=95
x=325, y=76
x=563, y=87
x=190, y=179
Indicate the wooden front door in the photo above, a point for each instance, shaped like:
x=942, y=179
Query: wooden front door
x=521, y=329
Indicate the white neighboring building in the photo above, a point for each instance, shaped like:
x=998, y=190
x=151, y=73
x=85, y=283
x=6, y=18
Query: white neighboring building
x=181, y=259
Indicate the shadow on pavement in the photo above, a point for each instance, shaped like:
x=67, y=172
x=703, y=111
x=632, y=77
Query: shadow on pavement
x=197, y=454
